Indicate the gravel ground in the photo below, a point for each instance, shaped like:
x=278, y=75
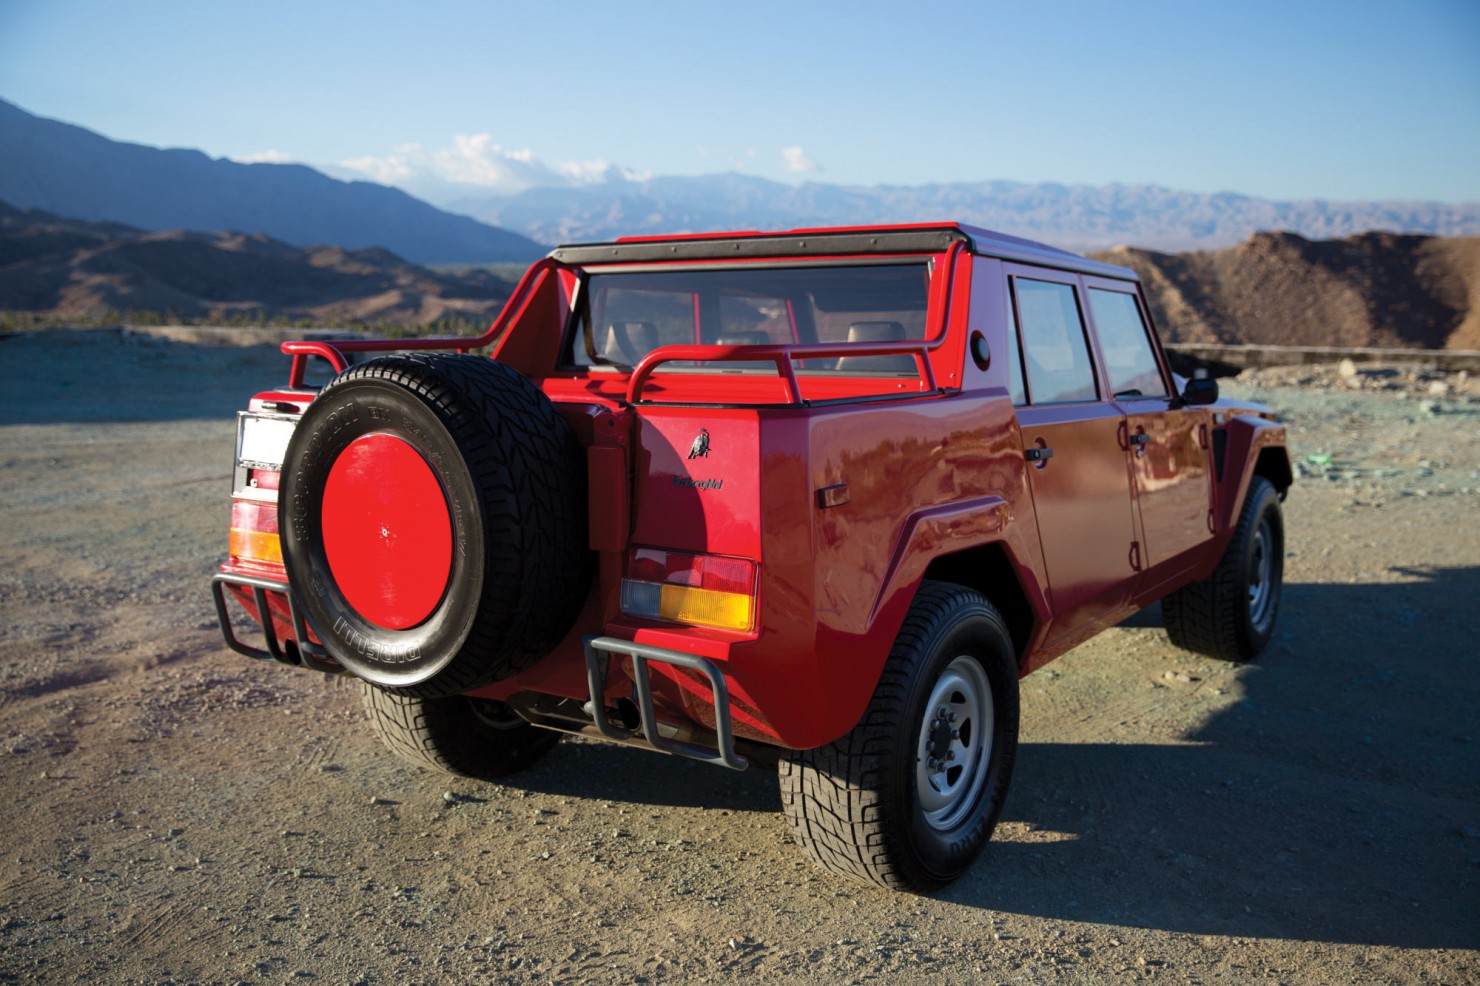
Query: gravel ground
x=180, y=814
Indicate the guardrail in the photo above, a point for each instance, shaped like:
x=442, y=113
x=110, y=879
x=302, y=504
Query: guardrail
x=1235, y=358
x=783, y=356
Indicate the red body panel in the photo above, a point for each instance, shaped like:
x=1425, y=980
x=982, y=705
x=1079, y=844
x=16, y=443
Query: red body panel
x=845, y=490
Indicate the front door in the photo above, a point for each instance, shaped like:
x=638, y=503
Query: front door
x=1170, y=457
x=1075, y=443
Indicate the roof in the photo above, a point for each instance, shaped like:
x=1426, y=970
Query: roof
x=851, y=240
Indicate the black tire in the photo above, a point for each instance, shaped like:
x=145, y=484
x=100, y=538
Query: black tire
x=512, y=481
x=471, y=737
x=872, y=805
x=1231, y=614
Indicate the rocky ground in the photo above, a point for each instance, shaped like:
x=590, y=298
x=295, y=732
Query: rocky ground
x=177, y=813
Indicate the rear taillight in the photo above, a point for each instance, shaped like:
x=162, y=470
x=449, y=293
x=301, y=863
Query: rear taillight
x=254, y=532
x=700, y=590
x=261, y=443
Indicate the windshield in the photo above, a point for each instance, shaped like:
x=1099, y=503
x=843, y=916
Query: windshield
x=624, y=316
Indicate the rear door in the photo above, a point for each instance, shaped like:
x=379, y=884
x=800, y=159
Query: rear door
x=1074, y=439
x=1170, y=458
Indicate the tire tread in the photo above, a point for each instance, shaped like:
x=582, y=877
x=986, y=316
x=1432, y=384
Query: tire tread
x=444, y=734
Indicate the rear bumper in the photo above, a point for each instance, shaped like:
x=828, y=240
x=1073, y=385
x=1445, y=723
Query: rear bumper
x=598, y=652
x=296, y=648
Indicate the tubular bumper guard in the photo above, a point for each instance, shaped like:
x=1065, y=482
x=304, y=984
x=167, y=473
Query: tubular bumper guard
x=304, y=653
x=598, y=648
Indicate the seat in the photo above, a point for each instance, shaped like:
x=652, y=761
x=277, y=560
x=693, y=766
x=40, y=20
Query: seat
x=877, y=331
x=628, y=342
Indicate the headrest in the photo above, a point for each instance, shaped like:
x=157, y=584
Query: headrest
x=876, y=332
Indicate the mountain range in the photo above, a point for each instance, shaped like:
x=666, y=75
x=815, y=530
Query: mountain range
x=69, y=171
x=68, y=269
x=1374, y=289
x=1075, y=217
x=72, y=172
x=98, y=225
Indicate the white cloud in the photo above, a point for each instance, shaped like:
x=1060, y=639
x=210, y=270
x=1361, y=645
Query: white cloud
x=796, y=161
x=386, y=170
x=474, y=159
x=266, y=157
x=478, y=160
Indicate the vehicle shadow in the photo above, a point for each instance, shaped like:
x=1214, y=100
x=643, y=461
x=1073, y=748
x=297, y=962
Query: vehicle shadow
x=611, y=772
x=1338, y=799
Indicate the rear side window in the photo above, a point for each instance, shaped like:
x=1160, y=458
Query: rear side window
x=1129, y=360
x=1055, y=350
x=1015, y=360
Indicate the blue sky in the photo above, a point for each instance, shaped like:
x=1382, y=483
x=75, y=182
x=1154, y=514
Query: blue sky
x=1286, y=100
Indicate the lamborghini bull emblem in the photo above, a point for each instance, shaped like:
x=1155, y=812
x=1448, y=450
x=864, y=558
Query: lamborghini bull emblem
x=700, y=448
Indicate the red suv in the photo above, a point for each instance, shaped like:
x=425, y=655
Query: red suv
x=814, y=499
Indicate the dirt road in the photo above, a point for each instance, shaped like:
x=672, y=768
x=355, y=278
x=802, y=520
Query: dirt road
x=176, y=813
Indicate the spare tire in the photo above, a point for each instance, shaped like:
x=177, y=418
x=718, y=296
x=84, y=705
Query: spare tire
x=432, y=522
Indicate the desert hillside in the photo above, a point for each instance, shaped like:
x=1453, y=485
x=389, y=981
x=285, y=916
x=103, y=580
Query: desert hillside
x=68, y=269
x=1375, y=289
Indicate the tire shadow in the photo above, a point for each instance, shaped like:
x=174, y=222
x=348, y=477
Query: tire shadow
x=606, y=771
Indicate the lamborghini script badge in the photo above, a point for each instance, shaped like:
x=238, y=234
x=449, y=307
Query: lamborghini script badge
x=700, y=448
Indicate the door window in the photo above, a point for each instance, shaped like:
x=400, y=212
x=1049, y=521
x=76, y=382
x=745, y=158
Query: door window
x=1129, y=360
x=1056, y=353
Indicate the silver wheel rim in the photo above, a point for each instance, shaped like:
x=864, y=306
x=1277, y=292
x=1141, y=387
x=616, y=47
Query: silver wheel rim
x=954, y=750
x=1261, y=576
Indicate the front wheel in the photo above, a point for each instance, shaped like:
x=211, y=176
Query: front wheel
x=909, y=798
x=1231, y=614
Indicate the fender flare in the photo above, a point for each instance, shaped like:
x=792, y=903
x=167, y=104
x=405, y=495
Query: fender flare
x=1247, y=438
x=949, y=529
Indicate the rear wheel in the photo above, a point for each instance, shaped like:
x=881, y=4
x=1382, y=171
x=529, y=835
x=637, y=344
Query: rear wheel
x=909, y=798
x=1231, y=614
x=471, y=737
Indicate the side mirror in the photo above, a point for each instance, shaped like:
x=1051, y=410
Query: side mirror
x=1202, y=390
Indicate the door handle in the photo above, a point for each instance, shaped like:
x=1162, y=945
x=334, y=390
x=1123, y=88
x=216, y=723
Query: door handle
x=1038, y=454
x=1140, y=440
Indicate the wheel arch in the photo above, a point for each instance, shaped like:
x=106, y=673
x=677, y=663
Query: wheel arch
x=989, y=570
x=1274, y=465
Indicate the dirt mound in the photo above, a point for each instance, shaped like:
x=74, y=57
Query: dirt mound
x=59, y=267
x=1376, y=289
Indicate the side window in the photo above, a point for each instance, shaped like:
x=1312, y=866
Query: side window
x=1056, y=351
x=1129, y=359
x=1015, y=359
